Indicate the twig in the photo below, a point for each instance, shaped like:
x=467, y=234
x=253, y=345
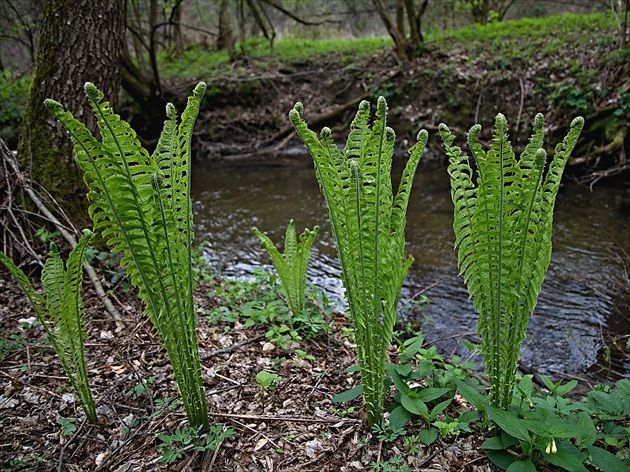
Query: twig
x=520, y=108
x=255, y=431
x=432, y=456
x=291, y=419
x=479, y=97
x=231, y=348
x=9, y=158
x=65, y=446
x=73, y=242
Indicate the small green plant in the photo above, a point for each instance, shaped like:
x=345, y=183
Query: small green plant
x=141, y=205
x=13, y=94
x=258, y=301
x=267, y=380
x=68, y=425
x=426, y=385
x=387, y=432
x=291, y=266
x=368, y=224
x=393, y=464
x=174, y=446
x=61, y=313
x=137, y=390
x=540, y=427
x=503, y=226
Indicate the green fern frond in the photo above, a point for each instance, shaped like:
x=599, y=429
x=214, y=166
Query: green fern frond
x=292, y=266
x=61, y=313
x=503, y=235
x=368, y=223
x=141, y=205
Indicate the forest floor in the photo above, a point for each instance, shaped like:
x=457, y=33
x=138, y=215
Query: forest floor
x=292, y=427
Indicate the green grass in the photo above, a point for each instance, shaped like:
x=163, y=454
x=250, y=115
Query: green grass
x=510, y=41
x=549, y=28
x=527, y=40
x=198, y=62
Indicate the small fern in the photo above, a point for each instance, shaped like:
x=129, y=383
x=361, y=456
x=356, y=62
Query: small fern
x=141, y=205
x=291, y=266
x=368, y=224
x=503, y=234
x=61, y=313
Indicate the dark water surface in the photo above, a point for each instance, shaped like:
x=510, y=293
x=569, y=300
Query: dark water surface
x=575, y=309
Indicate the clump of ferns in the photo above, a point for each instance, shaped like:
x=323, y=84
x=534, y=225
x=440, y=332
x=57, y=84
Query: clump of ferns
x=503, y=228
x=368, y=224
x=61, y=313
x=293, y=264
x=141, y=205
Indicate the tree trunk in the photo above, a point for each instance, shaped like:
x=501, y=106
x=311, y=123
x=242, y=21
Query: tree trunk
x=226, y=36
x=80, y=41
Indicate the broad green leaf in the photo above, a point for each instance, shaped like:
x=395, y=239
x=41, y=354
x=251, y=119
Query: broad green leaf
x=415, y=406
x=501, y=459
x=428, y=436
x=399, y=417
x=471, y=395
x=568, y=457
x=494, y=443
x=606, y=461
x=521, y=466
x=508, y=422
x=431, y=393
x=348, y=395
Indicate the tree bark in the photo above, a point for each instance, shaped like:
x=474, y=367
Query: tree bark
x=80, y=41
x=226, y=36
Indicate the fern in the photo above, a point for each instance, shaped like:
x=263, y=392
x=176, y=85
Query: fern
x=503, y=234
x=368, y=224
x=291, y=266
x=61, y=314
x=141, y=205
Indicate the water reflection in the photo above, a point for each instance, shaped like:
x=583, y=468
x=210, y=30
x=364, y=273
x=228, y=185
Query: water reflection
x=565, y=333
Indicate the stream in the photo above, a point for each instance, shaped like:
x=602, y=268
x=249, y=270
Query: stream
x=575, y=317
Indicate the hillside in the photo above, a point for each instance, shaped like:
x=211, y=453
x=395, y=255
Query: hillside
x=560, y=66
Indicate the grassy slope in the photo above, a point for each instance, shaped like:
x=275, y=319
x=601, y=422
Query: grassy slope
x=561, y=66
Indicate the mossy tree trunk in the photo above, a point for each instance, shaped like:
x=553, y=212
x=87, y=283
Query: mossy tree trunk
x=80, y=41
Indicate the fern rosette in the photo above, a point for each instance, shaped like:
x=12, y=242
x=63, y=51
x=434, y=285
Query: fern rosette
x=368, y=223
x=293, y=264
x=503, y=233
x=141, y=205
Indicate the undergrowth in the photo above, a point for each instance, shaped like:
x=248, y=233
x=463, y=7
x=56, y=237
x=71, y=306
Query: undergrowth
x=258, y=300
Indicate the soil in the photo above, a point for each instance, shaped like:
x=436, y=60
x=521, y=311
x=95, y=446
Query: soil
x=293, y=427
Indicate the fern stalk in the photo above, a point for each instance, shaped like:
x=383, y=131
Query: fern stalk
x=141, y=204
x=61, y=313
x=503, y=228
x=368, y=224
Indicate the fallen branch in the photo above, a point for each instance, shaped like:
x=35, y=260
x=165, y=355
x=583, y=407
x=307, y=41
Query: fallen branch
x=290, y=419
x=328, y=115
x=231, y=348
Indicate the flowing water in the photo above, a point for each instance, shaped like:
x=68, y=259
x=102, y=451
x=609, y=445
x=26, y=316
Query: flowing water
x=575, y=316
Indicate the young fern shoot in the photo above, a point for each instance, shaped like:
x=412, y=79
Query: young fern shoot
x=368, y=223
x=141, y=205
x=503, y=227
x=61, y=314
x=291, y=266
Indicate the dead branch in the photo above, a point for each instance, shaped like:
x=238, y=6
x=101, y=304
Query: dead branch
x=10, y=160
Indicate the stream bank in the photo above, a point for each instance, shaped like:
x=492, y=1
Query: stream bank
x=517, y=68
